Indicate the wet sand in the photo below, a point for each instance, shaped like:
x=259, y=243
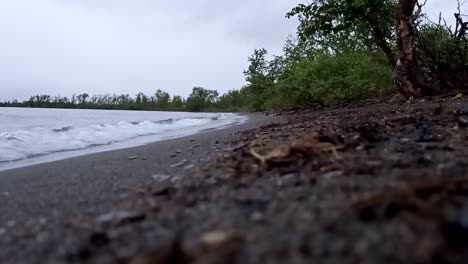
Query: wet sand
x=93, y=183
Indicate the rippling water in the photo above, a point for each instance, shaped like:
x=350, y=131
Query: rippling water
x=27, y=134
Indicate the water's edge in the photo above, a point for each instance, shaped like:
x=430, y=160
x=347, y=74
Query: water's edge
x=133, y=142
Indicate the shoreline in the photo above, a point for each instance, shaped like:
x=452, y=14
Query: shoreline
x=126, y=144
x=72, y=185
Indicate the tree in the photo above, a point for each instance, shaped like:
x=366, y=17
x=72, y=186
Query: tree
x=177, y=102
x=162, y=99
x=340, y=25
x=257, y=76
x=432, y=57
x=201, y=99
x=407, y=67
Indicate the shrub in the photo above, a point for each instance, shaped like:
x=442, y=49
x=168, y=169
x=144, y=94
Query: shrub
x=329, y=79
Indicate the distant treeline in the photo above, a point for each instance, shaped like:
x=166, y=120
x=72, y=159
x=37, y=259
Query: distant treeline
x=200, y=99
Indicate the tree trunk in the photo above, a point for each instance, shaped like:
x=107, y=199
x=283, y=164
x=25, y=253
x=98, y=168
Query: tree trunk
x=407, y=69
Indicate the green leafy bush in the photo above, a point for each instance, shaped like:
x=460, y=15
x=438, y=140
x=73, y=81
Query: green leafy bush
x=329, y=79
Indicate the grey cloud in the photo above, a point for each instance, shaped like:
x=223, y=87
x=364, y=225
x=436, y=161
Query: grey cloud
x=127, y=46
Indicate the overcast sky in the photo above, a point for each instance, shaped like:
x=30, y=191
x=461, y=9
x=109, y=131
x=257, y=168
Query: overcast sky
x=127, y=46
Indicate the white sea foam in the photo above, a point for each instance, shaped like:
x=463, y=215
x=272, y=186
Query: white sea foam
x=30, y=133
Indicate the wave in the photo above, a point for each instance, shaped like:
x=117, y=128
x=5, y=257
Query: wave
x=38, y=141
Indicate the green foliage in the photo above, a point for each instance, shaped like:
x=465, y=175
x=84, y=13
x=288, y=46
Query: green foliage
x=331, y=79
x=178, y=102
x=258, y=79
x=201, y=99
x=234, y=101
x=348, y=25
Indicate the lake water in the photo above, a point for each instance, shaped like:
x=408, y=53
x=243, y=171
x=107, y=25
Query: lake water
x=29, y=136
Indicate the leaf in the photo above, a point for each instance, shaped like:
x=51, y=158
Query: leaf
x=264, y=153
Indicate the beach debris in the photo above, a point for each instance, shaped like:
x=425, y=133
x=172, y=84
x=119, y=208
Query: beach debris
x=173, y=155
x=458, y=96
x=314, y=144
x=144, y=158
x=265, y=153
x=179, y=164
x=160, y=177
x=120, y=217
x=308, y=145
x=132, y=157
x=214, y=238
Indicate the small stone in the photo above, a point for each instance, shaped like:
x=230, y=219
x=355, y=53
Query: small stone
x=120, y=217
x=132, y=157
x=182, y=163
x=42, y=221
x=332, y=174
x=144, y=158
x=2, y=231
x=373, y=163
x=214, y=238
x=160, y=177
x=189, y=166
x=360, y=148
x=462, y=121
x=279, y=183
x=257, y=217
x=6, y=194
x=123, y=188
x=11, y=224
